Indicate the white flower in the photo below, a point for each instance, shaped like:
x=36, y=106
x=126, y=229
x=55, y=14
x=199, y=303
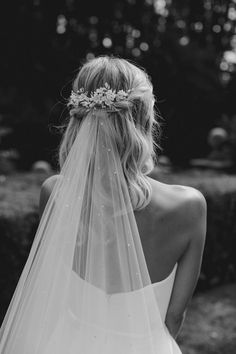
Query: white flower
x=121, y=95
x=103, y=97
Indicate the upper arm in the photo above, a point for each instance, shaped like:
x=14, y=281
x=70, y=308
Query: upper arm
x=189, y=264
x=45, y=193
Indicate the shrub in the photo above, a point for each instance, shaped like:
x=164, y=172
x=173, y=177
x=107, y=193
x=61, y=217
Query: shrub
x=18, y=224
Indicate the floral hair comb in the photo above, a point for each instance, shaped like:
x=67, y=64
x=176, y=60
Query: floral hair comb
x=104, y=97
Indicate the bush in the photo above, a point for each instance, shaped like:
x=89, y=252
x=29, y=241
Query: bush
x=19, y=219
x=18, y=224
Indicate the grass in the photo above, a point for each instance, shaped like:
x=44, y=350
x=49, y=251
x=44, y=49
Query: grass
x=210, y=325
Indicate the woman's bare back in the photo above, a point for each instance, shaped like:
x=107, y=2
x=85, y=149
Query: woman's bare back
x=172, y=230
x=161, y=228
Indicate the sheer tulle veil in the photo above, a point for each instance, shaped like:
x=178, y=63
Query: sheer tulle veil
x=85, y=287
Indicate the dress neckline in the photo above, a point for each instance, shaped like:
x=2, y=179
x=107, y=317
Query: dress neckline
x=167, y=278
x=129, y=292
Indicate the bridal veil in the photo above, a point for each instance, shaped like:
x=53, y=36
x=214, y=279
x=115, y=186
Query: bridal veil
x=85, y=287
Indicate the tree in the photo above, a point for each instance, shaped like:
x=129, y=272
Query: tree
x=182, y=45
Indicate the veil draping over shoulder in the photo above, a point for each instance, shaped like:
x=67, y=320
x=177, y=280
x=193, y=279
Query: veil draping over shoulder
x=85, y=288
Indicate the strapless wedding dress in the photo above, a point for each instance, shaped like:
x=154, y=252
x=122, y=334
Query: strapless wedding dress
x=66, y=338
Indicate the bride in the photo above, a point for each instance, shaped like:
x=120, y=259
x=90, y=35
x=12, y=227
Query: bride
x=117, y=255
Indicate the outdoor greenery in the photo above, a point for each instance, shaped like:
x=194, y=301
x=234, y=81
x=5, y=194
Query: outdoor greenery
x=187, y=47
x=210, y=326
x=189, y=50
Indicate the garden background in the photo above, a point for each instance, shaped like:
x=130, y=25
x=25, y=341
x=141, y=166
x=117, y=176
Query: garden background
x=189, y=50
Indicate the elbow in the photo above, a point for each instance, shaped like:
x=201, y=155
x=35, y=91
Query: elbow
x=174, y=318
x=174, y=323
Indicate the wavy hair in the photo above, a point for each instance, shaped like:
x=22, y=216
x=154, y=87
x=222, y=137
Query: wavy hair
x=134, y=123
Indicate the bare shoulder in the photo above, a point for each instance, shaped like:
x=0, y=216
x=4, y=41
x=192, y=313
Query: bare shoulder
x=183, y=211
x=192, y=210
x=46, y=191
x=191, y=201
x=184, y=203
x=49, y=183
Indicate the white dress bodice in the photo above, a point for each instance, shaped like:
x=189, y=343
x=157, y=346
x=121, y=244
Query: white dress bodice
x=163, y=290
x=66, y=337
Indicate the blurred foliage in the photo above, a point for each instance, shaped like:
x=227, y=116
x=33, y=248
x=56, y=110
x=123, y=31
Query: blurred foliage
x=19, y=220
x=210, y=326
x=229, y=124
x=7, y=157
x=187, y=47
x=18, y=224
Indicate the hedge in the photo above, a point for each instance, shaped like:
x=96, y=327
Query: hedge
x=19, y=196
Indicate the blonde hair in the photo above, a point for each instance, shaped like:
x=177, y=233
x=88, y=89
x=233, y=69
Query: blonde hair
x=134, y=122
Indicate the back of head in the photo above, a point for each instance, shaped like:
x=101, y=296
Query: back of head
x=132, y=121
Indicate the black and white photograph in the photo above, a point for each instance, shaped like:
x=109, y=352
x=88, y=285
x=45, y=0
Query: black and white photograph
x=118, y=177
